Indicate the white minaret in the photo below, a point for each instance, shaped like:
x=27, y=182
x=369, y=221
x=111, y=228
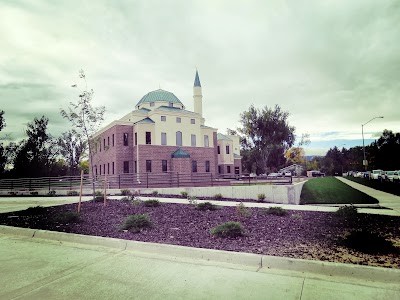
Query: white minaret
x=197, y=96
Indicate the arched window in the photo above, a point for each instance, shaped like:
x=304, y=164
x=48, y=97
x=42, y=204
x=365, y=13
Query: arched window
x=179, y=138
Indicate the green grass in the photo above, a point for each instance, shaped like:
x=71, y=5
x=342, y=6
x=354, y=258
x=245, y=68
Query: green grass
x=388, y=187
x=329, y=190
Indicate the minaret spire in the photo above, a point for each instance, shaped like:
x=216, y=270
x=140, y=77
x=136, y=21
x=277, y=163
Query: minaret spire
x=197, y=79
x=197, y=95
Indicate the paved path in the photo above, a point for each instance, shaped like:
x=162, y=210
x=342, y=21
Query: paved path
x=385, y=199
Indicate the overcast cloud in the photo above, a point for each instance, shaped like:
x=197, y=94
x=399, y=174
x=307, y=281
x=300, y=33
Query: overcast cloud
x=333, y=65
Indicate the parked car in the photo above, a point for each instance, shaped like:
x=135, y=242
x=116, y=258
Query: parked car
x=396, y=176
x=388, y=176
x=273, y=175
x=376, y=174
x=317, y=174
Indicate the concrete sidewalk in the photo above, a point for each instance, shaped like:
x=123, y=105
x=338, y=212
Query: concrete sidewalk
x=385, y=199
x=59, y=268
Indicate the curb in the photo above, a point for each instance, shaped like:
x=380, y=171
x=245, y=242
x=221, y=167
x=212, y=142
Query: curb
x=247, y=259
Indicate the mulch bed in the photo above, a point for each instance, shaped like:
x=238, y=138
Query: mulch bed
x=299, y=234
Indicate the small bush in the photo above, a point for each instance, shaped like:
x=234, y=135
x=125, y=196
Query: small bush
x=347, y=212
x=184, y=194
x=13, y=193
x=135, y=223
x=368, y=242
x=34, y=211
x=207, y=206
x=126, y=199
x=192, y=199
x=151, y=203
x=34, y=193
x=261, y=197
x=72, y=193
x=154, y=193
x=218, y=196
x=242, y=210
x=297, y=216
x=51, y=193
x=228, y=229
x=277, y=211
x=67, y=217
x=126, y=192
x=99, y=196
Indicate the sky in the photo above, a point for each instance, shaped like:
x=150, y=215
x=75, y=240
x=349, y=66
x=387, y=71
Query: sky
x=333, y=65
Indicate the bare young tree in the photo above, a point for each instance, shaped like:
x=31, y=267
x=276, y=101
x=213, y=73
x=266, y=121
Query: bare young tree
x=85, y=118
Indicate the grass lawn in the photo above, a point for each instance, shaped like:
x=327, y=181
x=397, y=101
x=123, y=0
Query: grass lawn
x=329, y=190
x=388, y=187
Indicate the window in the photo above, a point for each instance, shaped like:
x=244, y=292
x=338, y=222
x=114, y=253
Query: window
x=108, y=168
x=163, y=118
x=170, y=104
x=113, y=140
x=219, y=170
x=227, y=149
x=179, y=138
x=100, y=146
x=151, y=103
x=135, y=166
x=148, y=138
x=206, y=144
x=108, y=141
x=192, y=121
x=126, y=166
x=104, y=169
x=219, y=150
x=100, y=169
x=125, y=139
x=228, y=169
x=207, y=166
x=164, y=166
x=104, y=144
x=163, y=138
x=193, y=140
x=178, y=120
x=148, y=165
x=135, y=138
x=236, y=170
x=95, y=168
x=194, y=166
x=113, y=168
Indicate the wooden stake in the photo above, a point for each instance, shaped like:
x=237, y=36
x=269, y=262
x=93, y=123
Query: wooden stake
x=80, y=194
x=105, y=190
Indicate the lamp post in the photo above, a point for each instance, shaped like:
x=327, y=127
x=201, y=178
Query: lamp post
x=365, y=163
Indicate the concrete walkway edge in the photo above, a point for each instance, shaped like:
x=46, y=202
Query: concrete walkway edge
x=174, y=252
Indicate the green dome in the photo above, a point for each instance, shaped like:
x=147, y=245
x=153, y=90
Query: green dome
x=159, y=95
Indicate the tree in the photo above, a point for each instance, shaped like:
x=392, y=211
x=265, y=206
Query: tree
x=72, y=147
x=85, y=118
x=266, y=132
x=3, y=157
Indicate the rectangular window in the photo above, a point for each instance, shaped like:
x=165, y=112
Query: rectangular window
x=170, y=104
x=108, y=141
x=148, y=165
x=113, y=168
x=219, y=150
x=135, y=138
x=192, y=121
x=108, y=168
x=100, y=146
x=125, y=139
x=104, y=144
x=194, y=166
x=206, y=143
x=135, y=166
x=113, y=144
x=179, y=138
x=163, y=118
x=95, y=168
x=236, y=170
x=178, y=120
x=207, y=166
x=219, y=170
x=227, y=149
x=193, y=140
x=228, y=169
x=100, y=169
x=148, y=138
x=163, y=138
x=151, y=103
x=164, y=166
x=126, y=166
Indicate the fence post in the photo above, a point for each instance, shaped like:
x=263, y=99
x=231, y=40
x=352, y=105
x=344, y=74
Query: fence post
x=147, y=179
x=49, y=184
x=70, y=183
x=12, y=184
x=177, y=178
x=119, y=181
x=30, y=184
x=212, y=183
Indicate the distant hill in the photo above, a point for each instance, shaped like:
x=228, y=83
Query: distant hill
x=310, y=157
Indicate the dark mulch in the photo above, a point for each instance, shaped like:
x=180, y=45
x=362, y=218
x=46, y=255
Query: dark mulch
x=299, y=234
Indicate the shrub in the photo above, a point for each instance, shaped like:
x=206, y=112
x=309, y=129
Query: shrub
x=184, y=194
x=51, y=193
x=72, y=193
x=368, y=242
x=34, y=193
x=192, y=199
x=151, y=203
x=99, y=196
x=126, y=199
x=154, y=193
x=67, y=217
x=277, y=211
x=218, y=196
x=261, y=197
x=228, y=229
x=13, y=193
x=207, y=206
x=297, y=216
x=242, y=210
x=135, y=223
x=347, y=212
x=126, y=192
x=35, y=211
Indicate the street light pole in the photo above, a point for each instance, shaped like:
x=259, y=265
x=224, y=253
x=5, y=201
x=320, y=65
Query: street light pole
x=362, y=132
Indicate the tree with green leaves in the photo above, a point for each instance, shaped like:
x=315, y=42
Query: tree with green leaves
x=266, y=133
x=85, y=118
x=3, y=158
x=72, y=147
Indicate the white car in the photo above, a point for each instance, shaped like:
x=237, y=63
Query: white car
x=288, y=174
x=376, y=174
x=273, y=175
